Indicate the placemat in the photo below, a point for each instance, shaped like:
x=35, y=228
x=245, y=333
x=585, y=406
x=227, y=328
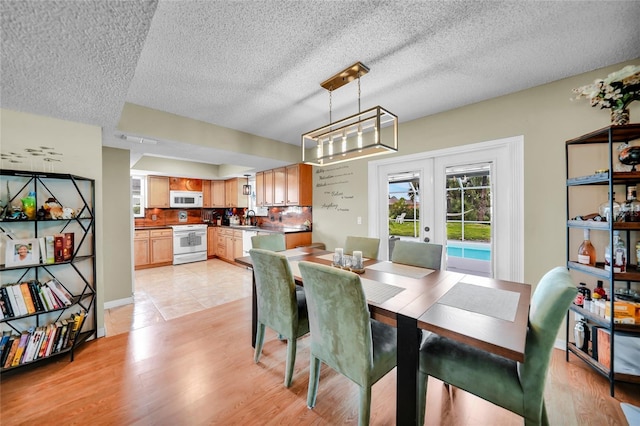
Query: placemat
x=494, y=302
x=378, y=292
x=400, y=269
x=293, y=252
x=329, y=256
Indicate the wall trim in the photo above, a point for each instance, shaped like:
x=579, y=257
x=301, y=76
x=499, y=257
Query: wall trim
x=119, y=302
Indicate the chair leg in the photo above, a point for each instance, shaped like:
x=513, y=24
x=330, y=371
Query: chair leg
x=259, y=341
x=422, y=396
x=365, y=406
x=291, y=361
x=314, y=380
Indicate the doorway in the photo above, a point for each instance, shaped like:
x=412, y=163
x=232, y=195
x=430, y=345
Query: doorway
x=504, y=158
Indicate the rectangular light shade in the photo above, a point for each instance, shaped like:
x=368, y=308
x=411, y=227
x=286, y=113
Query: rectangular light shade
x=371, y=132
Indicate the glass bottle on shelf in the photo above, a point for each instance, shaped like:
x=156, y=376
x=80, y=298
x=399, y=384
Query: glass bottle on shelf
x=603, y=209
x=619, y=258
x=632, y=206
x=586, y=251
x=600, y=291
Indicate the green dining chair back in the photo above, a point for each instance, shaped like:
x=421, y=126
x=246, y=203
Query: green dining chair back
x=369, y=246
x=518, y=387
x=280, y=306
x=343, y=336
x=273, y=242
x=416, y=253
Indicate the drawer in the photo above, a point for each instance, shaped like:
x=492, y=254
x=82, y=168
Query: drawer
x=155, y=233
x=141, y=235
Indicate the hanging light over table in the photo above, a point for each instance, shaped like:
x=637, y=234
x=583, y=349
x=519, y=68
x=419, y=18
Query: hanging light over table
x=368, y=133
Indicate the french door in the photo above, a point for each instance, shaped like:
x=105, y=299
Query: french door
x=503, y=157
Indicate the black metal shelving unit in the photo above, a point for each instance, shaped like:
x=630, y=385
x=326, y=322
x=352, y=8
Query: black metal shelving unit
x=608, y=137
x=79, y=271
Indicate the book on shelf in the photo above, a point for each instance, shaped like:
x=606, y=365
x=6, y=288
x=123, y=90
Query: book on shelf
x=63, y=337
x=33, y=344
x=5, y=303
x=17, y=293
x=50, y=249
x=28, y=301
x=76, y=325
x=56, y=331
x=58, y=248
x=60, y=291
x=24, y=338
x=35, y=295
x=6, y=336
x=42, y=352
x=68, y=245
x=43, y=249
x=51, y=298
x=10, y=352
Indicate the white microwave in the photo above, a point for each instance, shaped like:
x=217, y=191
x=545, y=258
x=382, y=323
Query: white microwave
x=185, y=199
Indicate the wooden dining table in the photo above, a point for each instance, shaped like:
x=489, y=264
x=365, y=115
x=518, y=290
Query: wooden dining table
x=486, y=313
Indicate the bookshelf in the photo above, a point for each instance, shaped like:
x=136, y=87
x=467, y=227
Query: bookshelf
x=56, y=276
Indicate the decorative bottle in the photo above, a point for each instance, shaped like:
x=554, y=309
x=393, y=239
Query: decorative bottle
x=603, y=209
x=632, y=205
x=583, y=293
x=619, y=257
x=586, y=251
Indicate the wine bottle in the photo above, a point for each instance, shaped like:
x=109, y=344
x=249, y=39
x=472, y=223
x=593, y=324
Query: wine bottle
x=586, y=251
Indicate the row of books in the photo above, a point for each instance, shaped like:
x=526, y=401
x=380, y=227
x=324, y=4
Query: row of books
x=32, y=297
x=39, y=342
x=56, y=248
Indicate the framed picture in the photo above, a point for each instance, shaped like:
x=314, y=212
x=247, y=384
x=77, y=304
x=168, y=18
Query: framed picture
x=22, y=252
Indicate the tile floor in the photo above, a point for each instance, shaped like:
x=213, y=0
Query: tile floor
x=170, y=292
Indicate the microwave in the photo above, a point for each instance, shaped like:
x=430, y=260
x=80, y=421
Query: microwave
x=185, y=199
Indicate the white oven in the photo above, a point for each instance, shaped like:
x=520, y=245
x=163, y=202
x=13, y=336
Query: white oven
x=189, y=243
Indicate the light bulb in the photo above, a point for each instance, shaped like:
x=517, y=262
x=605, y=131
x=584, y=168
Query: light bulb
x=344, y=143
x=359, y=137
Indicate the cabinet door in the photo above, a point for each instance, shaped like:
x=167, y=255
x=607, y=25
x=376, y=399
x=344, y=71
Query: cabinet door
x=260, y=189
x=296, y=239
x=230, y=192
x=212, y=241
x=229, y=249
x=158, y=191
x=217, y=193
x=237, y=244
x=206, y=194
x=221, y=249
x=268, y=187
x=161, y=250
x=141, y=252
x=299, y=185
x=279, y=186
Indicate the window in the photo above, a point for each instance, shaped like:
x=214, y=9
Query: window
x=137, y=195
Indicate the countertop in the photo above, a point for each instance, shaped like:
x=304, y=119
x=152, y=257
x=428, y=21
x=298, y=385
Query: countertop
x=284, y=230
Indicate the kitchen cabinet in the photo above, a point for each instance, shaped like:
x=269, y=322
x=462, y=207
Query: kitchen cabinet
x=229, y=244
x=212, y=241
x=285, y=186
x=237, y=244
x=141, y=248
x=299, y=185
x=161, y=246
x=233, y=194
x=206, y=194
x=185, y=184
x=296, y=239
x=279, y=186
x=152, y=247
x=158, y=191
x=217, y=193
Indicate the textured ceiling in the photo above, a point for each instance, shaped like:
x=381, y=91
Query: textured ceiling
x=257, y=66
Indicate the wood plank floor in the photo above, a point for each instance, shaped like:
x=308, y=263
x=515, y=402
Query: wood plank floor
x=198, y=369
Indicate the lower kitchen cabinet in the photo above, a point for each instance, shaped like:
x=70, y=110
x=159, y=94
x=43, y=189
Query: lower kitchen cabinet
x=153, y=248
x=229, y=244
x=296, y=239
x=212, y=241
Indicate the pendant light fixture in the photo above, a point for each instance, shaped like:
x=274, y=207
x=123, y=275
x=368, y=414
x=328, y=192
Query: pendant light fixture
x=365, y=134
x=246, y=188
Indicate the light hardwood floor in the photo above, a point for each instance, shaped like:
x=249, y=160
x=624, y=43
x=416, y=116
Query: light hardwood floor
x=198, y=369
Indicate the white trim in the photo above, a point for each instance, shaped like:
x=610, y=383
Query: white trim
x=119, y=302
x=560, y=344
x=508, y=157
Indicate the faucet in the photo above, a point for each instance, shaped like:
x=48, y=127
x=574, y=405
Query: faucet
x=251, y=214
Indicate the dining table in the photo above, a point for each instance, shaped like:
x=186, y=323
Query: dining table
x=486, y=313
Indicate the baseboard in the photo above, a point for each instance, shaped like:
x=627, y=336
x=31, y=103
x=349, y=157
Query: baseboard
x=101, y=332
x=119, y=302
x=560, y=344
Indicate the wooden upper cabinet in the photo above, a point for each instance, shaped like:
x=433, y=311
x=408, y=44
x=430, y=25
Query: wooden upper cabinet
x=233, y=193
x=268, y=188
x=217, y=193
x=260, y=189
x=206, y=194
x=279, y=186
x=299, y=185
x=185, y=184
x=158, y=191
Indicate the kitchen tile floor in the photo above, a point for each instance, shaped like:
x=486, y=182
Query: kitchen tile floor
x=170, y=292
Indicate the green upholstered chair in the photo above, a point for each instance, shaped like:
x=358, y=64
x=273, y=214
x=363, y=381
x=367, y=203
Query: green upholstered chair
x=273, y=242
x=367, y=245
x=343, y=335
x=280, y=306
x=416, y=253
x=517, y=387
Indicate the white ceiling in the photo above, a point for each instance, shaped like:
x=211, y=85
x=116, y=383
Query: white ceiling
x=256, y=66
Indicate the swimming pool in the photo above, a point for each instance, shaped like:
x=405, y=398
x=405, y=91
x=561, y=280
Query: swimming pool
x=477, y=251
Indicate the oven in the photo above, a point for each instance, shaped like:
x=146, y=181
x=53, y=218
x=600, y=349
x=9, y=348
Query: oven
x=189, y=243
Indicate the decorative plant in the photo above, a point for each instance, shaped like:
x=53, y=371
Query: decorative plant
x=616, y=91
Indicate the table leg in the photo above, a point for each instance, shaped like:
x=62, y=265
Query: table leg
x=254, y=310
x=406, y=387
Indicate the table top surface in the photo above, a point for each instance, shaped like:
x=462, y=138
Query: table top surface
x=469, y=321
